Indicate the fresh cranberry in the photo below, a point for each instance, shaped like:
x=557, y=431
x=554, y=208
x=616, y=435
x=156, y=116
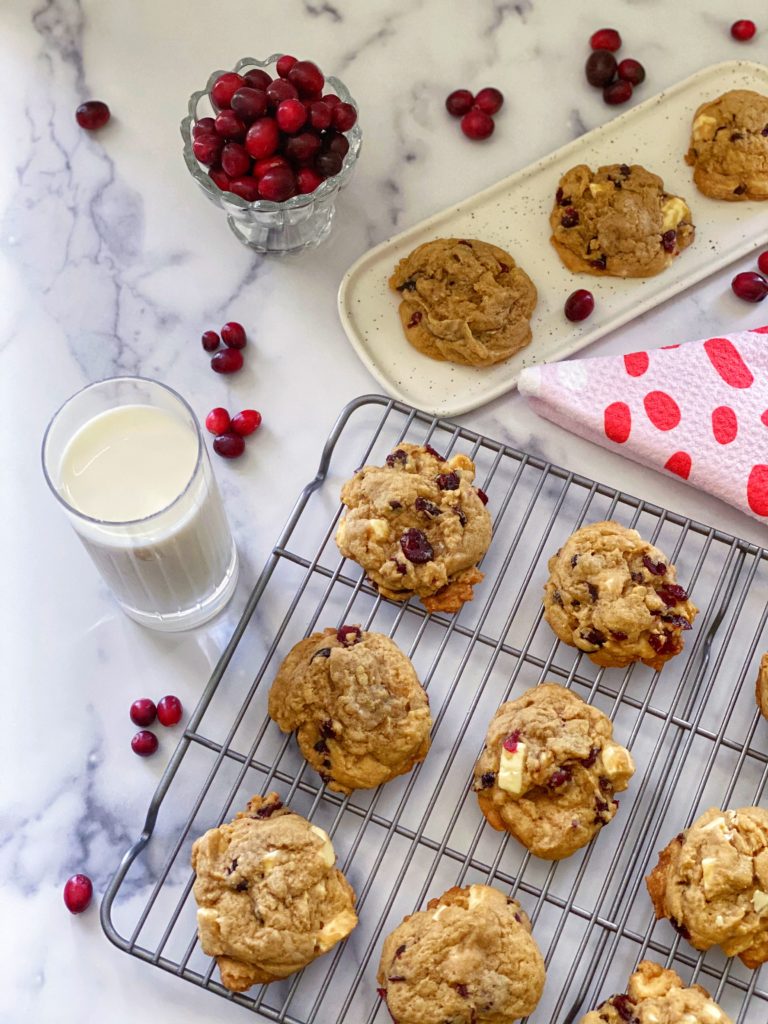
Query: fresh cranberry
x=207, y=148
x=233, y=335
x=605, y=39
x=291, y=115
x=143, y=710
x=249, y=103
x=762, y=262
x=220, y=178
x=328, y=164
x=320, y=115
x=510, y=743
x=229, y=125
x=258, y=78
x=245, y=422
x=246, y=187
x=489, y=100
x=617, y=92
x=92, y=114
x=235, y=160
x=78, y=892
x=205, y=126
x=224, y=88
x=210, y=340
x=169, y=710
x=229, y=360
x=263, y=138
x=216, y=422
x=335, y=142
x=600, y=68
x=308, y=180
x=750, y=287
x=631, y=71
x=743, y=30
x=277, y=185
x=343, y=116
x=307, y=77
x=459, y=102
x=284, y=65
x=229, y=445
x=144, y=743
x=331, y=99
x=416, y=547
x=279, y=91
x=579, y=305
x=476, y=125
x=349, y=635
x=302, y=148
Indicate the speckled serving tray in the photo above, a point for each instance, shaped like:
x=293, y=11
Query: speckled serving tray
x=514, y=214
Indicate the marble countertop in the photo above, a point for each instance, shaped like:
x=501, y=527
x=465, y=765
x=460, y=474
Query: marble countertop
x=112, y=262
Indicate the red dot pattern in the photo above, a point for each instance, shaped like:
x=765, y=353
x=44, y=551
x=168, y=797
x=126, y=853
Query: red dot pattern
x=636, y=363
x=760, y=330
x=662, y=410
x=618, y=422
x=757, y=490
x=727, y=361
x=764, y=418
x=680, y=464
x=725, y=425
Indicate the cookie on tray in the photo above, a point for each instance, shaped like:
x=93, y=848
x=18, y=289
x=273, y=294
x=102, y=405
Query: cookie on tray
x=614, y=596
x=416, y=525
x=711, y=882
x=464, y=301
x=355, y=702
x=729, y=146
x=269, y=897
x=657, y=995
x=761, y=686
x=618, y=221
x=469, y=958
x=549, y=769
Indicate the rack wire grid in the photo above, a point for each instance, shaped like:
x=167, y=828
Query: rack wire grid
x=694, y=731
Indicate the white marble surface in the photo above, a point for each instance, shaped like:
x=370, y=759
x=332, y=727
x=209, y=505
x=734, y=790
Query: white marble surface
x=112, y=262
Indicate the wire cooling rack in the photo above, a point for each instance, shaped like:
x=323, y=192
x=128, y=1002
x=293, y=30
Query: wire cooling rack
x=694, y=730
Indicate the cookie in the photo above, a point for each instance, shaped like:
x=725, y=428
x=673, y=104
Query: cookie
x=469, y=958
x=614, y=596
x=417, y=526
x=355, y=702
x=269, y=898
x=761, y=686
x=618, y=221
x=729, y=146
x=712, y=883
x=464, y=301
x=549, y=769
x=657, y=995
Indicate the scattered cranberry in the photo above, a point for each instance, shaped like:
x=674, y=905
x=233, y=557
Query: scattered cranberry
x=235, y=160
x=416, y=547
x=268, y=164
x=211, y=341
x=144, y=743
x=320, y=115
x=617, y=92
x=579, y=305
x=229, y=125
x=631, y=71
x=263, y=138
x=343, y=116
x=291, y=116
x=284, y=65
x=78, y=892
x=750, y=287
x=308, y=180
x=207, y=148
x=233, y=335
x=229, y=360
x=91, y=115
x=277, y=185
x=220, y=179
x=307, y=77
x=600, y=68
x=743, y=30
x=169, y=710
x=605, y=39
x=205, y=126
x=229, y=445
x=328, y=164
x=762, y=262
x=349, y=635
x=249, y=103
x=143, y=710
x=216, y=422
x=489, y=100
x=258, y=78
x=459, y=102
x=244, y=423
x=224, y=88
x=476, y=125
x=246, y=187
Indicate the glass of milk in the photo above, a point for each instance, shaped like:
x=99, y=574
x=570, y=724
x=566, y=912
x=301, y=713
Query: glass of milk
x=125, y=458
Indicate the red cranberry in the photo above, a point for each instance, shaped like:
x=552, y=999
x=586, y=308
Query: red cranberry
x=302, y=148
x=235, y=160
x=224, y=88
x=245, y=422
x=320, y=115
x=743, y=30
x=143, y=710
x=258, y=78
x=219, y=178
x=229, y=445
x=229, y=360
x=482, y=495
x=246, y=187
x=605, y=39
x=268, y=164
x=631, y=71
x=328, y=164
x=308, y=180
x=291, y=115
x=216, y=422
x=92, y=115
x=477, y=125
x=510, y=743
x=263, y=138
x=489, y=100
x=600, y=68
x=277, y=185
x=334, y=142
x=144, y=743
x=205, y=126
x=750, y=287
x=284, y=65
x=169, y=710
x=229, y=125
x=233, y=335
x=343, y=116
x=78, y=892
x=279, y=91
x=762, y=262
x=349, y=635
x=416, y=547
x=579, y=305
x=210, y=340
x=307, y=77
x=617, y=92
x=207, y=148
x=249, y=103
x=459, y=102
x=331, y=99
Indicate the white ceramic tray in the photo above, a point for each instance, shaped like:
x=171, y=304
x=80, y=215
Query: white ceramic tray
x=514, y=215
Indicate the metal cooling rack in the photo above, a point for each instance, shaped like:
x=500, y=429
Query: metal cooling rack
x=694, y=730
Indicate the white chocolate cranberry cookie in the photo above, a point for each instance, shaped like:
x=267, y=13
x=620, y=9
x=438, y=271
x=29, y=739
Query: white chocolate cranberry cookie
x=729, y=146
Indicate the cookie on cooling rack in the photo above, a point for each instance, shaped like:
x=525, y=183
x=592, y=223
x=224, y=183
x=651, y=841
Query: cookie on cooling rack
x=417, y=526
x=464, y=301
x=618, y=221
x=360, y=714
x=614, y=596
x=761, y=686
x=269, y=897
x=711, y=882
x=469, y=958
x=729, y=146
x=657, y=995
x=549, y=769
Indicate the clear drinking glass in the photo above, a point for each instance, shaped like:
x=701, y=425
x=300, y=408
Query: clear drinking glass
x=173, y=569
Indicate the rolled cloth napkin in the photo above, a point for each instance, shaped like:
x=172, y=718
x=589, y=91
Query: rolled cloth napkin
x=698, y=410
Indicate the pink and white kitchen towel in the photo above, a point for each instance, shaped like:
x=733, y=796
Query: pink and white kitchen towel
x=698, y=410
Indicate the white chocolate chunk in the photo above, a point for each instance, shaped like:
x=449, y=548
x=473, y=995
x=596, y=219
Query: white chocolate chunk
x=672, y=212
x=477, y=894
x=759, y=900
x=596, y=187
x=711, y=1014
x=326, y=850
x=336, y=929
x=717, y=824
x=709, y=873
x=439, y=912
x=701, y=126
x=270, y=861
x=379, y=529
x=510, y=777
x=617, y=760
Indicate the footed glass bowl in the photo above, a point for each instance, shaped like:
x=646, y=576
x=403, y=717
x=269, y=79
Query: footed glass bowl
x=279, y=229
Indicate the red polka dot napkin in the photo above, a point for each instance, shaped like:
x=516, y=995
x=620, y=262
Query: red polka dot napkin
x=698, y=410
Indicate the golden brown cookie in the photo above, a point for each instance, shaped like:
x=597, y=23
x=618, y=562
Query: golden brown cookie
x=712, y=883
x=360, y=714
x=761, y=686
x=269, y=897
x=614, y=596
x=417, y=526
x=729, y=146
x=469, y=958
x=464, y=301
x=549, y=769
x=618, y=221
x=657, y=995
